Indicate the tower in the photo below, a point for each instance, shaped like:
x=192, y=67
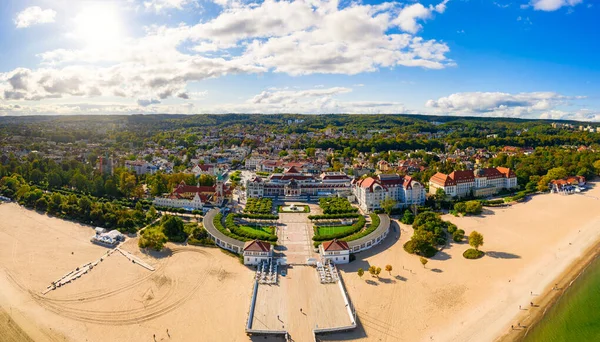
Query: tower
x=219, y=187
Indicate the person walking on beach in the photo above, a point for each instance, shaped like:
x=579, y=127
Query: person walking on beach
x=519, y=307
x=531, y=303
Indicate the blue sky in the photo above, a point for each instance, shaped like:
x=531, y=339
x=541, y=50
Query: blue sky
x=497, y=58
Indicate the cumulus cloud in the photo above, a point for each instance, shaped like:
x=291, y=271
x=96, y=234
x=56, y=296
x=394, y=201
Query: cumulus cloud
x=34, y=15
x=552, y=5
x=298, y=37
x=407, y=19
x=499, y=104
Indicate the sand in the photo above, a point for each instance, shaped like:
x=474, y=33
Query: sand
x=528, y=246
x=191, y=289
x=201, y=294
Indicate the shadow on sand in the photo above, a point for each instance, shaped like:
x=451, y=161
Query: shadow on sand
x=392, y=238
x=502, y=255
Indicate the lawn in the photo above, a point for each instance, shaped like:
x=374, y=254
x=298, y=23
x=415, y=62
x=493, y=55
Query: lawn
x=253, y=229
x=332, y=230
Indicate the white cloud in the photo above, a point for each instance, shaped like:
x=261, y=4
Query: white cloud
x=407, y=19
x=34, y=15
x=552, y=5
x=294, y=37
x=292, y=96
x=309, y=101
x=161, y=5
x=500, y=104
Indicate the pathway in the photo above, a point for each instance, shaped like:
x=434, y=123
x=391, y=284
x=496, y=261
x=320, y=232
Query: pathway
x=295, y=237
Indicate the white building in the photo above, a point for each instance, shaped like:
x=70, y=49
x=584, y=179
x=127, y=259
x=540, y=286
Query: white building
x=257, y=251
x=336, y=251
x=140, y=167
x=252, y=162
x=404, y=190
x=479, y=183
x=177, y=201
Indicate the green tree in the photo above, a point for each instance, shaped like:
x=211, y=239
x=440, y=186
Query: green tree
x=388, y=204
x=172, y=226
x=152, y=238
x=597, y=166
x=423, y=261
x=377, y=271
x=475, y=239
x=460, y=207
x=360, y=272
x=473, y=207
x=408, y=217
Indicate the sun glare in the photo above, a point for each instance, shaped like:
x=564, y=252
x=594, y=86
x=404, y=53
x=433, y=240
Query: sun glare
x=98, y=25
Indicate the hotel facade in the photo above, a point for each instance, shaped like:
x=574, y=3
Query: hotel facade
x=297, y=185
x=479, y=182
x=370, y=191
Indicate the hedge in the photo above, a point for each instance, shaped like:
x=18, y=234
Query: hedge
x=355, y=227
x=333, y=216
x=375, y=221
x=254, y=234
x=219, y=226
x=258, y=216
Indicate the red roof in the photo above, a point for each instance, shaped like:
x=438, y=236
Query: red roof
x=442, y=179
x=462, y=176
x=508, y=173
x=257, y=246
x=335, y=245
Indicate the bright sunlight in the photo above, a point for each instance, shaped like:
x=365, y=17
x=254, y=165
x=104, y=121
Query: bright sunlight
x=98, y=25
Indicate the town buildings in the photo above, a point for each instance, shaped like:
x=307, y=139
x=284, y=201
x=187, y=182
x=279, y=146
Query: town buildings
x=195, y=197
x=140, y=167
x=478, y=183
x=370, y=191
x=574, y=183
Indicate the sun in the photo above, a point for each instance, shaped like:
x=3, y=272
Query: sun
x=98, y=25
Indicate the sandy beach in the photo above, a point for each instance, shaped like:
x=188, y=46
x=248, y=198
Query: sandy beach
x=198, y=294
x=529, y=246
x=203, y=294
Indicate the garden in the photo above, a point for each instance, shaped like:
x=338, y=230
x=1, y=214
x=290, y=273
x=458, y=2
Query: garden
x=258, y=206
x=336, y=205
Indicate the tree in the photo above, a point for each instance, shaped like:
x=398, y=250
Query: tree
x=173, y=228
x=388, y=204
x=475, y=239
x=460, y=207
x=408, y=217
x=360, y=272
x=152, y=238
x=423, y=261
x=473, y=207
x=372, y=270
x=377, y=271
x=388, y=268
x=597, y=166
x=440, y=194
